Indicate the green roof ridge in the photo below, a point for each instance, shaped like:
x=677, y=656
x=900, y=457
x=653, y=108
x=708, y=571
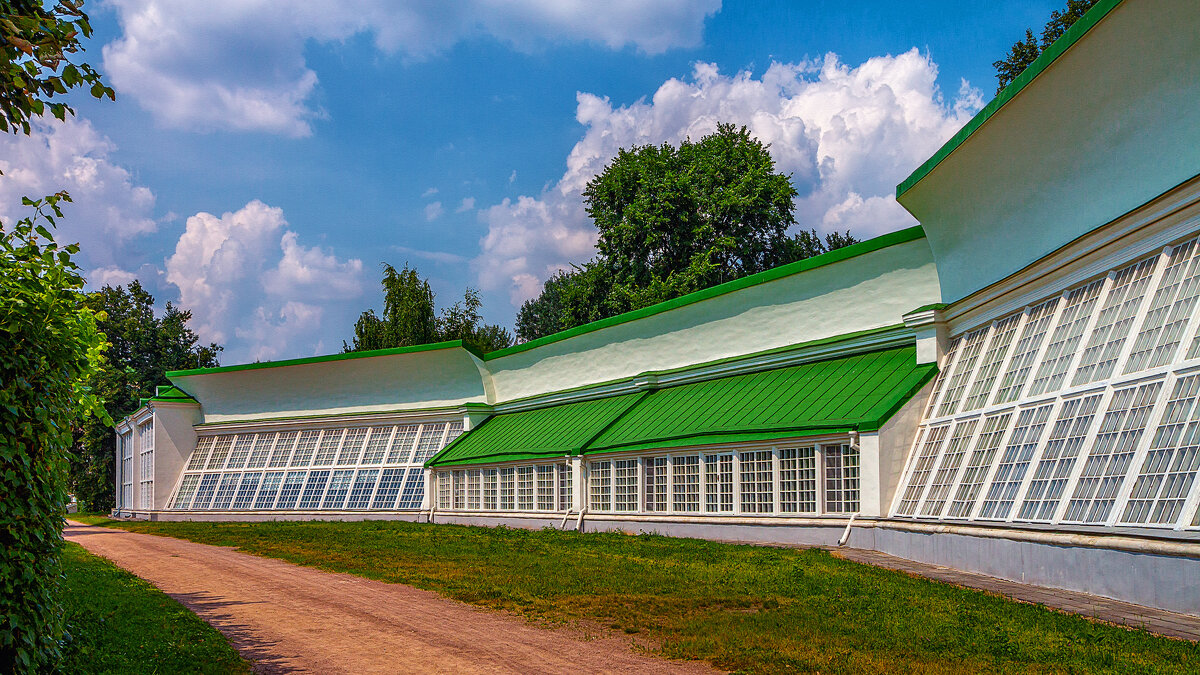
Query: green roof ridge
x=1043, y=61
x=433, y=346
x=837, y=255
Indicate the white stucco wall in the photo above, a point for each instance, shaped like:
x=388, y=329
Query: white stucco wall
x=1111, y=124
x=174, y=441
x=868, y=291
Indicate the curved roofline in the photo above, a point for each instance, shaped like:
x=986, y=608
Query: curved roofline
x=837, y=255
x=451, y=344
x=1043, y=61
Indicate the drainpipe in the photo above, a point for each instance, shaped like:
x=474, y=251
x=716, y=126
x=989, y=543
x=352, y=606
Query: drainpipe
x=846, y=533
x=579, y=522
x=850, y=523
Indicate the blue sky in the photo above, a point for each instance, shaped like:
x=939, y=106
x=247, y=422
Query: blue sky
x=264, y=158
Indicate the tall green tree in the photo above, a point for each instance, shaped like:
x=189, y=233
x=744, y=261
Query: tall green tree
x=1025, y=51
x=410, y=318
x=144, y=346
x=673, y=220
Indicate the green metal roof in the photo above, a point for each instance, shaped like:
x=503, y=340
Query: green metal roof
x=858, y=392
x=1041, y=63
x=536, y=434
x=170, y=393
x=451, y=344
x=852, y=392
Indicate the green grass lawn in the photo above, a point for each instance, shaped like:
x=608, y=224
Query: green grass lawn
x=118, y=623
x=746, y=608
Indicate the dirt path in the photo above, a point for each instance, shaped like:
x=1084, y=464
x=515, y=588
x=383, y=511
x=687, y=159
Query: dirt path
x=288, y=618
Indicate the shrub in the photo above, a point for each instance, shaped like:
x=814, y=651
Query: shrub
x=49, y=345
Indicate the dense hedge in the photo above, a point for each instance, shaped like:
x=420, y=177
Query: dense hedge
x=49, y=345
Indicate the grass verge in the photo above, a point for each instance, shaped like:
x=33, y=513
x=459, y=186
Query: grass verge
x=743, y=608
x=118, y=623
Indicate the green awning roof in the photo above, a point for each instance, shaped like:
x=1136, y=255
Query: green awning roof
x=858, y=392
x=536, y=434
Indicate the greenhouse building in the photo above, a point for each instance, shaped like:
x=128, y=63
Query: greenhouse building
x=1011, y=387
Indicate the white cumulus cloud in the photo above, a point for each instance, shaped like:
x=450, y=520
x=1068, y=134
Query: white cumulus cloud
x=108, y=211
x=249, y=282
x=433, y=211
x=846, y=134
x=239, y=64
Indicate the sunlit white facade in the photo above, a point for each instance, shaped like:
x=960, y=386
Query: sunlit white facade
x=1011, y=388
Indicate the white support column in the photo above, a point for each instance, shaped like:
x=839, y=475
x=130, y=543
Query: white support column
x=870, y=480
x=579, y=496
x=427, y=500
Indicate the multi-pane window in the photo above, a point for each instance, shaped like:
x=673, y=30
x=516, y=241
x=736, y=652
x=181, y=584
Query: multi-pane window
x=289, y=493
x=339, y=487
x=546, y=485
x=269, y=490
x=490, y=490
x=246, y=489
x=600, y=485
x=1111, y=454
x=798, y=480
x=364, y=484
x=988, y=441
x=1168, y=473
x=261, y=452
x=655, y=481
x=685, y=483
x=225, y=490
x=928, y=446
x=281, y=452
x=187, y=489
x=841, y=479
x=327, y=449
x=349, y=451
x=200, y=455
x=1058, y=459
x=718, y=483
x=625, y=485
x=1171, y=309
x=459, y=489
x=473, y=493
x=1014, y=462
x=388, y=491
x=241, y=451
x=377, y=445
x=989, y=367
x=314, y=487
x=126, y=446
x=220, y=452
x=1114, y=322
x=206, y=490
x=146, y=466
x=429, y=442
x=758, y=486
x=352, y=445
x=964, y=365
x=1037, y=324
x=1076, y=313
x=948, y=467
x=443, y=489
x=566, y=487
x=524, y=488
x=1086, y=353
x=508, y=488
x=305, y=447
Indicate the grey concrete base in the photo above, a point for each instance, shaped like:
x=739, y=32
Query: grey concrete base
x=269, y=516
x=1163, y=581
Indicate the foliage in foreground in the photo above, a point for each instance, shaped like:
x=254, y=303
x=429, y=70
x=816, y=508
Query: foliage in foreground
x=746, y=608
x=118, y=623
x=143, y=347
x=1024, y=52
x=409, y=318
x=49, y=347
x=673, y=220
